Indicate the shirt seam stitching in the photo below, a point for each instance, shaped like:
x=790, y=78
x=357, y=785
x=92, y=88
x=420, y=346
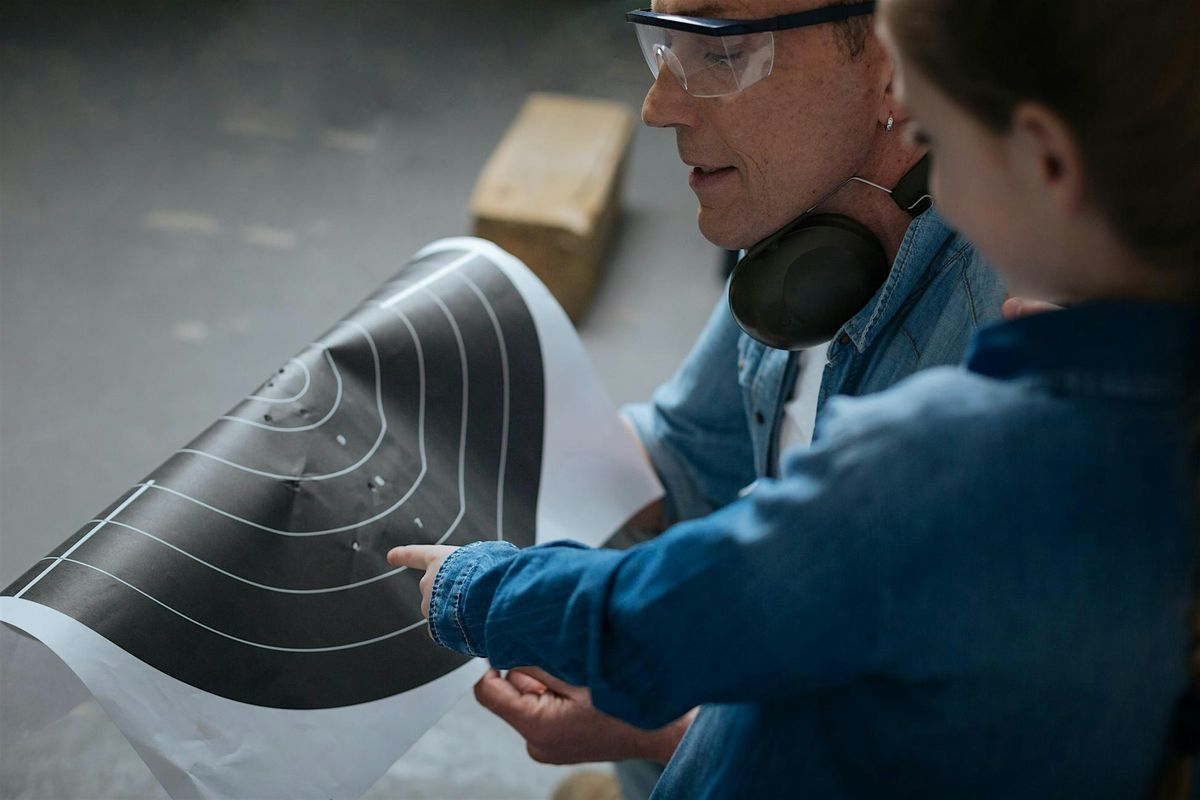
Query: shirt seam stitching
x=458, y=593
x=970, y=295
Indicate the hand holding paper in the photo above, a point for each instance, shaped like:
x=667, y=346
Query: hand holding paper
x=561, y=726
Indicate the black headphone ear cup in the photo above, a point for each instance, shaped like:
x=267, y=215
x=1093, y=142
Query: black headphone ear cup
x=797, y=291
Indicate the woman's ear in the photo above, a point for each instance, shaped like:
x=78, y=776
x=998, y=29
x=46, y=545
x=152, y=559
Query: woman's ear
x=1047, y=156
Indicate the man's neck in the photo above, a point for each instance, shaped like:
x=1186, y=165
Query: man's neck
x=874, y=208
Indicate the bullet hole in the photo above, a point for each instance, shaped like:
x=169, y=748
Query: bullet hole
x=280, y=371
x=419, y=523
x=341, y=440
x=304, y=412
x=355, y=545
x=371, y=486
x=294, y=485
x=267, y=417
x=379, y=481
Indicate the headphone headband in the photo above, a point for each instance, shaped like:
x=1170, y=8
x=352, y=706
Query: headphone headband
x=911, y=192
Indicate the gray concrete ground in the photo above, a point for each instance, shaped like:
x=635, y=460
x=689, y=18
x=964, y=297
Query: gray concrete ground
x=189, y=192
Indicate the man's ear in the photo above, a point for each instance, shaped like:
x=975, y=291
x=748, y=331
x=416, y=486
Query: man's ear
x=1047, y=155
x=890, y=79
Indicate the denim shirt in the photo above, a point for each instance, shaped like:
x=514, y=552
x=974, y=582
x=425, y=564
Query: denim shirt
x=713, y=428
x=975, y=584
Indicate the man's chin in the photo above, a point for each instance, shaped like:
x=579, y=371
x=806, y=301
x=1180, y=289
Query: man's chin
x=722, y=232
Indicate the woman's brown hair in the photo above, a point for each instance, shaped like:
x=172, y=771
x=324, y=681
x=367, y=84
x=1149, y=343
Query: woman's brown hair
x=1125, y=77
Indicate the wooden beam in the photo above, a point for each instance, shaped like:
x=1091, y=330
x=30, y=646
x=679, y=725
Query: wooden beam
x=550, y=193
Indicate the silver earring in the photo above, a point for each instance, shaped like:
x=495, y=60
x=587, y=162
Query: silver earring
x=891, y=123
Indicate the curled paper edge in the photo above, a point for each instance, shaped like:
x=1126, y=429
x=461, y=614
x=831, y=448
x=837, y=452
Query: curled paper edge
x=199, y=745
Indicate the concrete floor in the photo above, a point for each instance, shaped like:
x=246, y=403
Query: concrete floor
x=189, y=192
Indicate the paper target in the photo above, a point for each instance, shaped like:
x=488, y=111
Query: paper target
x=251, y=563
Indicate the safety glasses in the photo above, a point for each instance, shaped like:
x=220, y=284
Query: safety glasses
x=717, y=57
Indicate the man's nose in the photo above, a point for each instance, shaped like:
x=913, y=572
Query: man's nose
x=667, y=105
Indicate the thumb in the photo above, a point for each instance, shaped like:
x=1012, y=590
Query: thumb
x=526, y=683
x=552, y=683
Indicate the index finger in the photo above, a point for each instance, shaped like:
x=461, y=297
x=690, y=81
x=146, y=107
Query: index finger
x=417, y=556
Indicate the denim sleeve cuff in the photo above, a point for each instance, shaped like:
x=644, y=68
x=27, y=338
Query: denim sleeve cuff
x=447, y=612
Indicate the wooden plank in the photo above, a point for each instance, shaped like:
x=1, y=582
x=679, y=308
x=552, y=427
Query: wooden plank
x=550, y=192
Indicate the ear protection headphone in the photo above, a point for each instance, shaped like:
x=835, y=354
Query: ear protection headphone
x=795, y=288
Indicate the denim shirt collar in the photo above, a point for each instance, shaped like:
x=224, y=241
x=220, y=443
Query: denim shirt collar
x=1108, y=347
x=918, y=255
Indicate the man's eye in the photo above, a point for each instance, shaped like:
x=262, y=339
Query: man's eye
x=714, y=59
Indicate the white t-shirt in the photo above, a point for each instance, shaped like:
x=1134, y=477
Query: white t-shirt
x=800, y=414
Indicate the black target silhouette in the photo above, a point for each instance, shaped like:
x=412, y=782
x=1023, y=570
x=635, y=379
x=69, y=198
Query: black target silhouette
x=251, y=563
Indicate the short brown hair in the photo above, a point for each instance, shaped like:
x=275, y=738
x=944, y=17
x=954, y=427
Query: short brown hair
x=853, y=33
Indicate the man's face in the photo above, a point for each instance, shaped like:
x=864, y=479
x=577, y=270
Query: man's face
x=783, y=143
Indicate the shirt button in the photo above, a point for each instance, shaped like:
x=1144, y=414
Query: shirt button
x=759, y=418
x=741, y=364
x=844, y=339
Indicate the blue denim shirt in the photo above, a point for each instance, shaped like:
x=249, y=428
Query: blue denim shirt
x=975, y=584
x=713, y=428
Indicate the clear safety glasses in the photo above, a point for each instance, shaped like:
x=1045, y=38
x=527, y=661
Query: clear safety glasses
x=717, y=57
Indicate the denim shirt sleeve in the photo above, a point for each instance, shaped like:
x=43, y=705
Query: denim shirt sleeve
x=782, y=574
x=695, y=428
